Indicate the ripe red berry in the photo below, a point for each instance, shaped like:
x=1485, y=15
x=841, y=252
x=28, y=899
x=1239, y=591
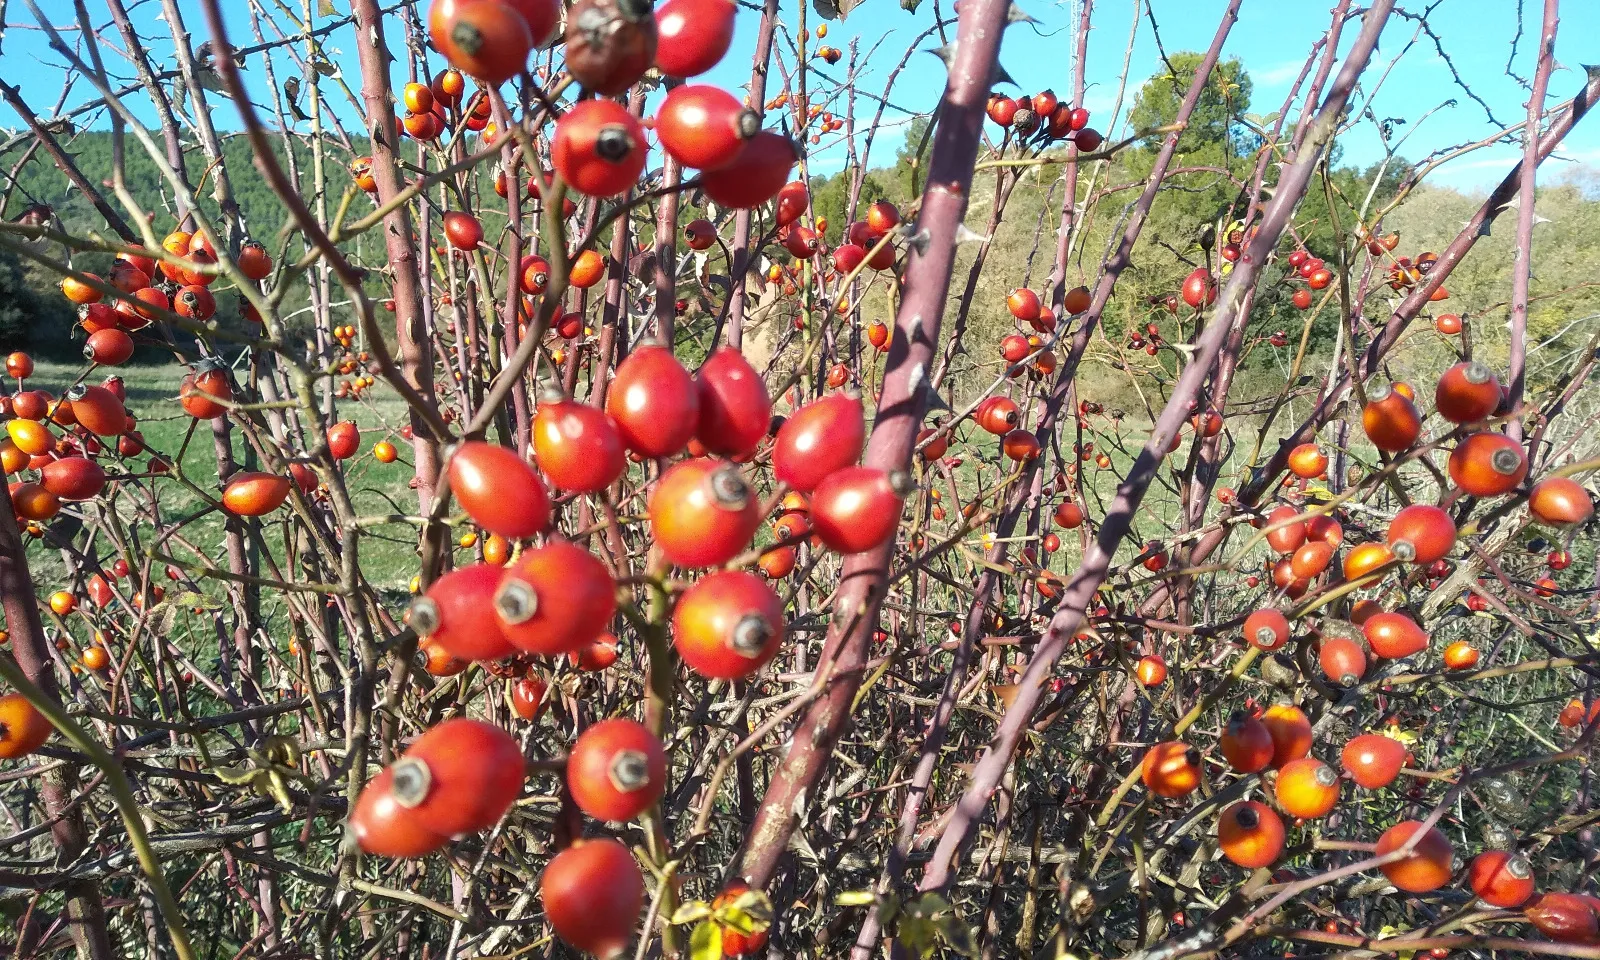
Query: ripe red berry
x=704, y=127
x=459, y=777
x=1467, y=392
x=692, y=36
x=728, y=625
x=463, y=230
x=1198, y=287
x=858, y=508
x=819, y=438
x=598, y=148
x=555, y=599
x=1488, y=464
x=616, y=770
x=344, y=439
x=457, y=612
x=654, y=401
x=381, y=825
x=1421, y=533
x=1501, y=878
x=702, y=513
x=592, y=893
x=500, y=491
x=486, y=39
x=735, y=409
x=760, y=171
x=577, y=445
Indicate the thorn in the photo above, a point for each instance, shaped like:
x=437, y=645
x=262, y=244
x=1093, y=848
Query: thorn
x=947, y=53
x=1015, y=14
x=919, y=241
x=965, y=234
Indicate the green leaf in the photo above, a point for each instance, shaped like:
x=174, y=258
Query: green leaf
x=931, y=904
x=755, y=904
x=855, y=898
x=278, y=789
x=693, y=911
x=325, y=8
x=918, y=935
x=958, y=936
x=197, y=600
x=705, y=943
x=736, y=920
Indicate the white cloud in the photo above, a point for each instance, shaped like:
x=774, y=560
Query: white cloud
x=1276, y=76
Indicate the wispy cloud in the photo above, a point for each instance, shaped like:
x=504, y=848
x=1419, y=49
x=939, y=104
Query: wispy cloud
x=1277, y=75
x=1588, y=155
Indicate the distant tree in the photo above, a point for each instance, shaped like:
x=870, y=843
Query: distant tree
x=17, y=304
x=910, y=161
x=830, y=198
x=33, y=316
x=1216, y=136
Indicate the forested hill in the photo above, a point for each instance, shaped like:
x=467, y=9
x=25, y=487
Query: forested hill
x=35, y=316
x=264, y=213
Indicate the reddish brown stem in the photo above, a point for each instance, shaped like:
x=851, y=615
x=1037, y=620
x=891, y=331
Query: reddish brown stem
x=57, y=788
x=739, y=262
x=900, y=410
x=1522, y=271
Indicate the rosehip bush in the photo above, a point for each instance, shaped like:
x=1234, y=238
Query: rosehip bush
x=499, y=499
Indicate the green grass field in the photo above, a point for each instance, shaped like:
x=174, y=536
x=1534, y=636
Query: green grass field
x=388, y=554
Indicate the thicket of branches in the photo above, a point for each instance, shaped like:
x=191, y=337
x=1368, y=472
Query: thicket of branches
x=1168, y=444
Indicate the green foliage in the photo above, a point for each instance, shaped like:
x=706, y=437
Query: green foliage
x=23, y=313
x=1563, y=309
x=1215, y=137
x=1318, y=223
x=922, y=926
x=830, y=199
x=910, y=168
x=264, y=213
x=43, y=322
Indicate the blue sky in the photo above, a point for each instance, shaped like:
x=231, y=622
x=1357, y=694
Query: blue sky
x=1271, y=38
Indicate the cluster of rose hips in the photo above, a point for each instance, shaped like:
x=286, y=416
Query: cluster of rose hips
x=537, y=596
x=90, y=416
x=54, y=448
x=1046, y=116
x=176, y=284
x=1407, y=273
x=1305, y=543
x=1311, y=269
x=1027, y=307
x=805, y=115
x=861, y=242
x=1149, y=340
x=598, y=147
